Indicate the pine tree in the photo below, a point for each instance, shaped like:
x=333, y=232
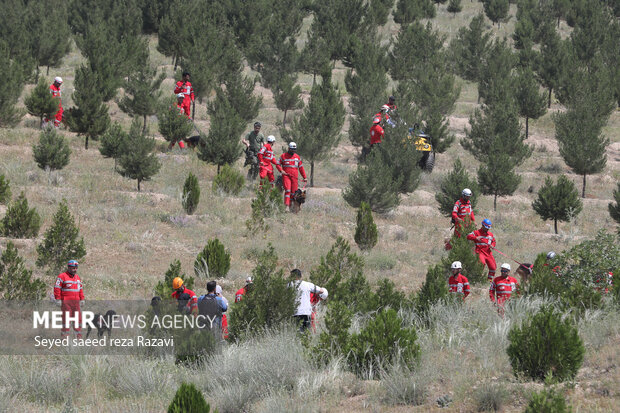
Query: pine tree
x=531, y=103
x=90, y=116
x=470, y=48
x=373, y=183
x=173, y=125
x=380, y=11
x=415, y=49
x=50, y=36
x=228, y=181
x=11, y=87
x=409, y=11
x=188, y=399
x=60, y=242
x=317, y=130
x=222, y=145
x=580, y=138
x=496, y=10
x=113, y=143
x=20, y=221
x=173, y=33
x=551, y=61
x=402, y=158
x=454, y=6
x=452, y=186
x=495, y=140
x=164, y=289
x=547, y=401
x=286, y=95
x=365, y=229
x=213, y=261
x=461, y=250
x=152, y=13
x=315, y=55
x=496, y=81
x=238, y=89
x=366, y=84
x=614, y=210
x=191, y=194
x=40, y=102
x=142, y=92
x=559, y=201
x=140, y=162
x=5, y=190
x=16, y=281
x=52, y=152
x=434, y=289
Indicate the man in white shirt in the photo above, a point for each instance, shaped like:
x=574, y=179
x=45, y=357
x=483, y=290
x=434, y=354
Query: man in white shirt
x=304, y=306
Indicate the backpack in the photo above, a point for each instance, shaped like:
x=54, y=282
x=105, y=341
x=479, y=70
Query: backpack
x=209, y=307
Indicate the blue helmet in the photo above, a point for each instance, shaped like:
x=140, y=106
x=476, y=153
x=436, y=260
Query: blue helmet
x=72, y=263
x=486, y=223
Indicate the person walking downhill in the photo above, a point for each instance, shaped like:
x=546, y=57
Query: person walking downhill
x=485, y=241
x=458, y=283
x=462, y=210
x=290, y=165
x=502, y=288
x=69, y=294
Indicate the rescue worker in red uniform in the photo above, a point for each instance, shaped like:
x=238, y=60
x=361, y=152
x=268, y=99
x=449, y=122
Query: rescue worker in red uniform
x=185, y=87
x=55, y=91
x=458, y=283
x=265, y=160
x=485, y=240
x=383, y=114
x=187, y=299
x=503, y=287
x=242, y=291
x=289, y=164
x=69, y=294
x=462, y=208
x=376, y=132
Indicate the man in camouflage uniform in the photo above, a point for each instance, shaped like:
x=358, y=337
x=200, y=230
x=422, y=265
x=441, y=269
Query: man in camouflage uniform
x=253, y=142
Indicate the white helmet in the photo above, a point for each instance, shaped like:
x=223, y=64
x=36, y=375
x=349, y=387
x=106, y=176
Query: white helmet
x=385, y=108
x=505, y=266
x=58, y=79
x=324, y=294
x=292, y=145
x=271, y=138
x=551, y=255
x=456, y=265
x=249, y=280
x=180, y=95
x=466, y=192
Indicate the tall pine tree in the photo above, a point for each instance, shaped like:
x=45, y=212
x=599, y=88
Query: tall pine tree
x=11, y=87
x=40, y=102
x=470, y=48
x=139, y=163
x=558, y=201
x=532, y=104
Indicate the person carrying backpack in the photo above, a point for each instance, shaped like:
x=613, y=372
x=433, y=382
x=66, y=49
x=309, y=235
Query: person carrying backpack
x=211, y=307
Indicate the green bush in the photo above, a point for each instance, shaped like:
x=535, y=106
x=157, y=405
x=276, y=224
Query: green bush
x=40, y=101
x=213, y=261
x=16, y=281
x=490, y=397
x=188, y=399
x=547, y=401
x=383, y=341
x=52, y=151
x=61, y=242
x=114, y=143
x=268, y=202
x=452, y=186
x=366, y=229
x=434, y=289
x=388, y=297
x=5, y=190
x=334, y=341
x=270, y=303
x=546, y=345
x=21, y=221
x=462, y=250
x=228, y=181
x=163, y=289
x=191, y=194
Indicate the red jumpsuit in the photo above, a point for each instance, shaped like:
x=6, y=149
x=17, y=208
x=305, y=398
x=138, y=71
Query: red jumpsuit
x=55, y=91
x=483, y=249
x=376, y=134
x=461, y=209
x=501, y=289
x=239, y=294
x=192, y=303
x=187, y=89
x=69, y=290
x=265, y=159
x=289, y=164
x=459, y=284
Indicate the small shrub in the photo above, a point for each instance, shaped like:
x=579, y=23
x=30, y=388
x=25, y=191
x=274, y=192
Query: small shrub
x=16, y=281
x=549, y=167
x=61, y=242
x=21, y=221
x=558, y=202
x=388, y=297
x=546, y=345
x=366, y=229
x=40, y=101
x=113, y=143
x=191, y=194
x=5, y=190
x=213, y=261
x=52, y=152
x=268, y=202
x=434, y=289
x=163, y=289
x=229, y=181
x=188, y=400
x=547, y=401
x=490, y=397
x=403, y=386
x=382, y=342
